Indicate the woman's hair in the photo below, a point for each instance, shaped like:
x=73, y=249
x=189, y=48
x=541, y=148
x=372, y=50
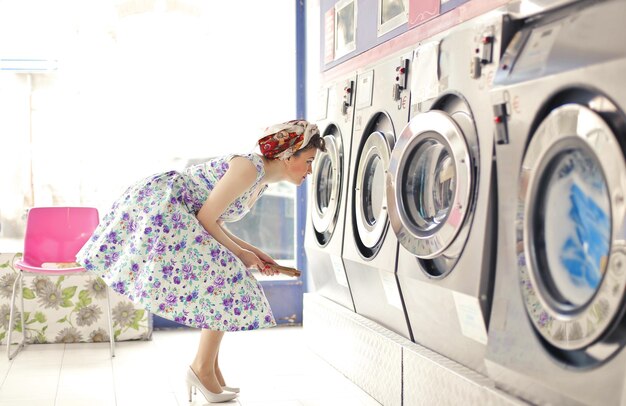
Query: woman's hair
x=316, y=141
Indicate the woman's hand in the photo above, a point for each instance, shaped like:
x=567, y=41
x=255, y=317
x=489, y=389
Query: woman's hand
x=268, y=261
x=264, y=257
x=269, y=270
x=251, y=260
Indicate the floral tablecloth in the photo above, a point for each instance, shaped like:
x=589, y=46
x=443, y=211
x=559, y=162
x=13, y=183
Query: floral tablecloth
x=68, y=309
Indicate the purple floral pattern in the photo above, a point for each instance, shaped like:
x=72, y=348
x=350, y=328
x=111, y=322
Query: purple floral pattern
x=151, y=248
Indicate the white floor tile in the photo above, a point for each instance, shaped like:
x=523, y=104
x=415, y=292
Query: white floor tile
x=41, y=353
x=4, y=370
x=28, y=402
x=86, y=387
x=152, y=399
x=25, y=386
x=271, y=366
x=91, y=401
x=27, y=366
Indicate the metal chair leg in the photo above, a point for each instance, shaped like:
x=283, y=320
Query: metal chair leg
x=18, y=282
x=24, y=338
x=111, y=334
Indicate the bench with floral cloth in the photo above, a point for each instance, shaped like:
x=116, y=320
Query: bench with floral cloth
x=67, y=309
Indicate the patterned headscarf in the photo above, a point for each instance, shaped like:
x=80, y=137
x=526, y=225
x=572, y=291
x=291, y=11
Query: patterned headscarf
x=281, y=141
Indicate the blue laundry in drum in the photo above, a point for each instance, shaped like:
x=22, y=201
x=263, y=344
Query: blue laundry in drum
x=583, y=253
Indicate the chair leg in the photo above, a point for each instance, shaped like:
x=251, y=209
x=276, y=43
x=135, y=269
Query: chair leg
x=24, y=338
x=16, y=284
x=111, y=334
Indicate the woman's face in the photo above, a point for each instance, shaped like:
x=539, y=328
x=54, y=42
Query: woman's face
x=298, y=167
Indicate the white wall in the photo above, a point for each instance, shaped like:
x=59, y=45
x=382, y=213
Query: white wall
x=141, y=86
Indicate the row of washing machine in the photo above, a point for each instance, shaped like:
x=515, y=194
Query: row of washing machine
x=471, y=199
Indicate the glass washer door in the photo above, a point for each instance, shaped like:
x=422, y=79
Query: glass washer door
x=326, y=186
x=370, y=202
x=430, y=180
x=570, y=229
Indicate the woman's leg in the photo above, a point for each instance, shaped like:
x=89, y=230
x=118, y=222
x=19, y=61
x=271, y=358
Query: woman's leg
x=218, y=372
x=206, y=359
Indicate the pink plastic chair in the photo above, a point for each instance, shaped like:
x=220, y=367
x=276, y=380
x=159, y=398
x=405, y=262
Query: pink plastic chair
x=53, y=235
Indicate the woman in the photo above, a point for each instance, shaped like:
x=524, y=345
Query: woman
x=164, y=247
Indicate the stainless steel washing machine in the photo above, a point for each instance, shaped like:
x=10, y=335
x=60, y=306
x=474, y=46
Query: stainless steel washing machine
x=327, y=193
x=441, y=192
x=370, y=248
x=557, y=331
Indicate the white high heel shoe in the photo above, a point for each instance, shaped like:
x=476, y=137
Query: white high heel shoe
x=226, y=388
x=231, y=389
x=194, y=382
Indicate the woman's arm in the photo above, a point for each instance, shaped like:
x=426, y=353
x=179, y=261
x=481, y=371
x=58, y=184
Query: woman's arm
x=259, y=252
x=239, y=177
x=243, y=244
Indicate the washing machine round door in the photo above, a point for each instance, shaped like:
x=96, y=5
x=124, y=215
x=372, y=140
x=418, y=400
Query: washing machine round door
x=429, y=184
x=370, y=210
x=570, y=228
x=326, y=186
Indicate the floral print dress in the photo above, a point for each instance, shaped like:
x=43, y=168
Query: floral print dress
x=151, y=248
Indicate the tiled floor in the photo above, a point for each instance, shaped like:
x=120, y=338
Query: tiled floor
x=272, y=367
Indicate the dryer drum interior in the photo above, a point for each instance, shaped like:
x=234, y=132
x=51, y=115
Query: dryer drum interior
x=370, y=216
x=571, y=241
x=430, y=183
x=327, y=186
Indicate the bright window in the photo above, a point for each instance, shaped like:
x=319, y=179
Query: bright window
x=139, y=87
